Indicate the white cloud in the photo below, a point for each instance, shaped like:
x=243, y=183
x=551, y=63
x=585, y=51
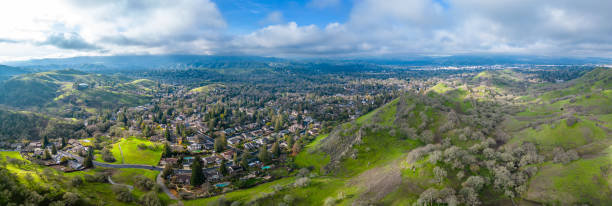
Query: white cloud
x=397, y=27
x=113, y=26
x=373, y=27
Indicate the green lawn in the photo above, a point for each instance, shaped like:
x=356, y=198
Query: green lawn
x=133, y=155
x=127, y=175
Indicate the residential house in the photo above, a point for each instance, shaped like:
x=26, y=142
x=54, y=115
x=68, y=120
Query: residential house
x=209, y=145
x=75, y=165
x=212, y=175
x=211, y=160
x=167, y=161
x=295, y=127
x=182, y=178
x=234, y=140
x=229, y=131
x=250, y=146
x=235, y=169
x=193, y=139
x=195, y=147
x=228, y=155
x=188, y=160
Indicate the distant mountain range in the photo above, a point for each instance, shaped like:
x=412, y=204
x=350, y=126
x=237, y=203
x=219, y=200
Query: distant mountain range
x=101, y=63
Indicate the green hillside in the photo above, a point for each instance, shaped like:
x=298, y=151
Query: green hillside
x=463, y=142
x=62, y=91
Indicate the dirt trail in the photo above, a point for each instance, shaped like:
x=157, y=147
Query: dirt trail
x=121, y=151
x=130, y=187
x=380, y=181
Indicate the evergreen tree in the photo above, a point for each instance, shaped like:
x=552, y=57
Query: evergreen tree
x=290, y=141
x=146, y=131
x=178, y=129
x=88, y=163
x=278, y=124
x=275, y=150
x=235, y=159
x=167, y=134
x=263, y=154
x=223, y=167
x=46, y=155
x=244, y=163
x=167, y=171
x=197, y=175
x=45, y=142
x=121, y=118
x=140, y=124
x=220, y=144
x=167, y=150
x=63, y=142
x=53, y=149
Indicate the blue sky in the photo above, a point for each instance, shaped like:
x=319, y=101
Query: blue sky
x=304, y=28
x=244, y=16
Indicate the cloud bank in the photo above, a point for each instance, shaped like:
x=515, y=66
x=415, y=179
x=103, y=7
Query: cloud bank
x=372, y=28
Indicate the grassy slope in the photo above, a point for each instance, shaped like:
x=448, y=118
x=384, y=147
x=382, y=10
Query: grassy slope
x=54, y=89
x=580, y=181
x=133, y=155
x=558, y=134
x=310, y=158
x=97, y=192
x=377, y=150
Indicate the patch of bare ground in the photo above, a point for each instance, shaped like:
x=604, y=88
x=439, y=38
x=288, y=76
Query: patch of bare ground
x=378, y=182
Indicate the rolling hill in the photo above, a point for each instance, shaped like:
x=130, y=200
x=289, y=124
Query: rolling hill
x=477, y=141
x=67, y=90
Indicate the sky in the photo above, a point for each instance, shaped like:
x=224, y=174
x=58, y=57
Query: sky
x=305, y=28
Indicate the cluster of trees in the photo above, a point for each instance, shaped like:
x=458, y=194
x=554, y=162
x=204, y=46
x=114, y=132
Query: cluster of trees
x=32, y=126
x=509, y=170
x=561, y=156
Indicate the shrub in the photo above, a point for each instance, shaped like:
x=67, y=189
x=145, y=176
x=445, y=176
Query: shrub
x=98, y=177
x=560, y=156
x=303, y=172
x=76, y=181
x=144, y=183
x=330, y=201
x=475, y=182
x=288, y=199
x=150, y=199
x=142, y=146
x=122, y=193
x=302, y=182
x=107, y=156
x=440, y=174
x=70, y=198
x=221, y=201
x=571, y=120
